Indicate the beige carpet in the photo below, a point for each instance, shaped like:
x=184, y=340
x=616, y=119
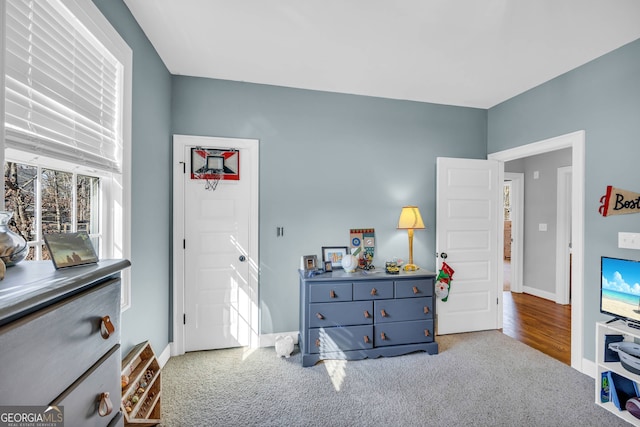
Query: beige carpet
x=479, y=379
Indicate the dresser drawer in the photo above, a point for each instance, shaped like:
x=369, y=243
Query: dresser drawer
x=414, y=288
x=399, y=310
x=69, y=336
x=372, y=290
x=82, y=402
x=403, y=333
x=330, y=340
x=340, y=313
x=330, y=291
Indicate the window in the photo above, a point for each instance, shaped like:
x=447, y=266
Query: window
x=46, y=200
x=66, y=90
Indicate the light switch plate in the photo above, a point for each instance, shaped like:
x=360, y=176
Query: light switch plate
x=628, y=240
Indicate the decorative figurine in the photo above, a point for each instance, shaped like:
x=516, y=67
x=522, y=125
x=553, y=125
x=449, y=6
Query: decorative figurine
x=284, y=346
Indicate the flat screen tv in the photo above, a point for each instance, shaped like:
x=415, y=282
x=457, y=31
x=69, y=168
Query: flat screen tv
x=620, y=289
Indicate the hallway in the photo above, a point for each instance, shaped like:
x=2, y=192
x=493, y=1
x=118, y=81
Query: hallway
x=537, y=322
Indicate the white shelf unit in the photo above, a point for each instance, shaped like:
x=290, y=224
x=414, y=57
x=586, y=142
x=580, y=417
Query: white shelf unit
x=617, y=327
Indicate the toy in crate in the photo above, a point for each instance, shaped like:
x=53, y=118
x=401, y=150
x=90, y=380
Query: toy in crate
x=141, y=386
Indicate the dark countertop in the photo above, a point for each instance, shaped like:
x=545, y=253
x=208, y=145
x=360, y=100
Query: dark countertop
x=31, y=285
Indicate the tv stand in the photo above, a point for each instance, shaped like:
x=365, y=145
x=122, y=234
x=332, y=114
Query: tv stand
x=634, y=325
x=630, y=333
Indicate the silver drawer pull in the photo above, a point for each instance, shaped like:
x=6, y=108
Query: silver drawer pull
x=319, y=316
x=332, y=294
x=383, y=313
x=317, y=342
x=106, y=327
x=383, y=336
x=366, y=339
x=415, y=290
x=366, y=314
x=426, y=333
x=374, y=292
x=426, y=310
x=105, y=407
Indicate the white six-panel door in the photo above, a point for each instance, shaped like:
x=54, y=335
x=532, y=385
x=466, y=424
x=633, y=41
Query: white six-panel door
x=218, y=253
x=467, y=218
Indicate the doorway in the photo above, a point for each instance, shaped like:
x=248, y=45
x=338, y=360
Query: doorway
x=575, y=141
x=215, y=243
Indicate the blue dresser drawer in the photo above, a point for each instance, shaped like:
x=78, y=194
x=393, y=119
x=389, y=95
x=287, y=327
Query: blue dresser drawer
x=396, y=333
x=330, y=291
x=414, y=288
x=335, y=340
x=373, y=290
x=400, y=310
x=340, y=313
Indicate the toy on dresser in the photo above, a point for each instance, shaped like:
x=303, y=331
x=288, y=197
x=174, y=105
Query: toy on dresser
x=284, y=346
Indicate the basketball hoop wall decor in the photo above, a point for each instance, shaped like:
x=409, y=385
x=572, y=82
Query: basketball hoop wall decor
x=214, y=165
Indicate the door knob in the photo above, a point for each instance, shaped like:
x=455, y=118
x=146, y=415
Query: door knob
x=443, y=255
x=242, y=258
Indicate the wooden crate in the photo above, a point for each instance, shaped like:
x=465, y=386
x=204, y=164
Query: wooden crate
x=141, y=395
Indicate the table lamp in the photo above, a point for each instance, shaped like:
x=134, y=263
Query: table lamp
x=410, y=220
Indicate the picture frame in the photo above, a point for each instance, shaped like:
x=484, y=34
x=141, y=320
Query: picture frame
x=70, y=249
x=308, y=262
x=327, y=266
x=334, y=254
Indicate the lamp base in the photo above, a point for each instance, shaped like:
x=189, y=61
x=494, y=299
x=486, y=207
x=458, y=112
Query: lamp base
x=410, y=267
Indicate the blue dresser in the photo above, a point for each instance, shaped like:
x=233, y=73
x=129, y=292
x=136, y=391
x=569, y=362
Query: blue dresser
x=365, y=315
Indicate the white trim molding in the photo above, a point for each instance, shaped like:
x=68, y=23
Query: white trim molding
x=575, y=141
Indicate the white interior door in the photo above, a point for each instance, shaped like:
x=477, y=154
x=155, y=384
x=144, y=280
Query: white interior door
x=219, y=249
x=468, y=218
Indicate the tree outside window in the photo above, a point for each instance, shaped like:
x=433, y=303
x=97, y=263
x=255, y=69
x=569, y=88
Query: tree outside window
x=45, y=200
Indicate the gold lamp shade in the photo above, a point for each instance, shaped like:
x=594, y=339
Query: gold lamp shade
x=410, y=219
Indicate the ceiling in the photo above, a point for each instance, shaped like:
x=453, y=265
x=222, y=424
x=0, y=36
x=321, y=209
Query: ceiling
x=474, y=53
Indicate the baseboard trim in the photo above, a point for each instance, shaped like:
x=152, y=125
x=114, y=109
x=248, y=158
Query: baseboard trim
x=589, y=368
x=163, y=357
x=539, y=293
x=264, y=340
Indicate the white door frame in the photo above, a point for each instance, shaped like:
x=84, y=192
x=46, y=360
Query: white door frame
x=517, y=233
x=179, y=144
x=563, y=235
x=575, y=141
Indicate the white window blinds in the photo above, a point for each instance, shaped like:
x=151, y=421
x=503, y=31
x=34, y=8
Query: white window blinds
x=63, y=87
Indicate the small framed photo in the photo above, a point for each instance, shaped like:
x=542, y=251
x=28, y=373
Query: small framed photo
x=327, y=266
x=334, y=254
x=70, y=249
x=308, y=262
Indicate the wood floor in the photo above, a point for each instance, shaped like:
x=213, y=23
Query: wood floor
x=539, y=323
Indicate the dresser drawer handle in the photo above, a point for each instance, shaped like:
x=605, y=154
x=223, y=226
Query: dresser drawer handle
x=383, y=336
x=332, y=294
x=426, y=310
x=317, y=342
x=319, y=316
x=384, y=313
x=374, y=292
x=366, y=339
x=416, y=290
x=426, y=333
x=106, y=327
x=366, y=314
x=105, y=407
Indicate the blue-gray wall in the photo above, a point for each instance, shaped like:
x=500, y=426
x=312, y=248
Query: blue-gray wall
x=603, y=98
x=540, y=207
x=148, y=317
x=330, y=162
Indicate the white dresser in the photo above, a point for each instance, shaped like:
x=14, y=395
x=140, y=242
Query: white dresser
x=60, y=340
